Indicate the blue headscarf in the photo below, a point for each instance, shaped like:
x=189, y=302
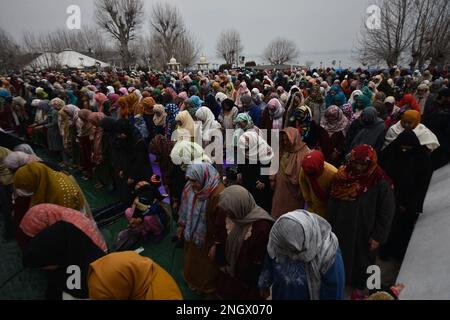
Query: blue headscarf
x=338, y=99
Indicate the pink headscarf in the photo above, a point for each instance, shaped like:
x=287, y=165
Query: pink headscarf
x=42, y=216
x=183, y=95
x=94, y=119
x=171, y=92
x=123, y=91
x=100, y=98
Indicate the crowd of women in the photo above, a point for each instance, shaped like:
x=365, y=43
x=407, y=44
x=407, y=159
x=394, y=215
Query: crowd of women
x=357, y=152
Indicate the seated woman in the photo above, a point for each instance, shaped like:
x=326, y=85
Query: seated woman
x=304, y=261
x=129, y=276
x=44, y=215
x=146, y=218
x=55, y=249
x=242, y=233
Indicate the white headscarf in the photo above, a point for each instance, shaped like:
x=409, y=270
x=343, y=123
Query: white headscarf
x=258, y=149
x=306, y=237
x=210, y=126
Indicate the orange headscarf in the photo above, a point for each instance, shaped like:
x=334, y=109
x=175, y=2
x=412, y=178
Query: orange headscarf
x=412, y=116
x=129, y=276
x=148, y=104
x=123, y=105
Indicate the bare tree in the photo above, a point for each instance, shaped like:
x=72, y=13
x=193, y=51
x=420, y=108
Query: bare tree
x=188, y=49
x=280, y=51
x=392, y=39
x=9, y=52
x=88, y=39
x=229, y=46
x=167, y=26
x=121, y=19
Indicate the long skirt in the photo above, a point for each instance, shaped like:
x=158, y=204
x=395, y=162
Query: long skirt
x=199, y=271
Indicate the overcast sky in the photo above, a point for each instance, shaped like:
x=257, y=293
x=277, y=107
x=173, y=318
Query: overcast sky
x=317, y=27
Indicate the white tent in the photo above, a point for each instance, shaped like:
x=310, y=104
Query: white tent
x=65, y=59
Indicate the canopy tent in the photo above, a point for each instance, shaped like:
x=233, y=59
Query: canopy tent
x=66, y=59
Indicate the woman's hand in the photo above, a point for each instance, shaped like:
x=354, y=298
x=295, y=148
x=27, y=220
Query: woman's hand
x=265, y=293
x=180, y=231
x=373, y=245
x=212, y=252
x=260, y=185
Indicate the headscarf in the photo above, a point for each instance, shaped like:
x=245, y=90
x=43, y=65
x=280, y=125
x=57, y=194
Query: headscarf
x=148, y=103
x=350, y=186
x=94, y=119
x=100, y=98
x=63, y=244
x=57, y=103
x=363, y=100
x=411, y=116
x=244, y=117
x=43, y=216
x=213, y=105
x=210, y=126
x=337, y=99
x=296, y=151
x=18, y=159
x=334, y=120
x=303, y=118
x=319, y=99
x=6, y=176
x=193, y=205
x=161, y=119
x=129, y=276
x=353, y=96
x=302, y=236
x=195, y=103
x=239, y=202
x=373, y=127
x=409, y=103
x=313, y=166
x=242, y=90
x=86, y=128
x=48, y=186
x=72, y=111
x=187, y=125
x=276, y=111
x=25, y=148
x=255, y=148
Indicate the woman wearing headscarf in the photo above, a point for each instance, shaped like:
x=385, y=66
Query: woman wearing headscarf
x=45, y=185
x=287, y=195
x=254, y=155
x=361, y=102
x=86, y=136
x=302, y=120
x=408, y=102
x=242, y=90
x=210, y=127
x=296, y=101
x=54, y=139
x=159, y=119
x=100, y=157
x=213, y=105
x=316, y=102
x=129, y=276
x=335, y=97
x=185, y=127
x=198, y=209
x=133, y=163
x=331, y=135
x=181, y=155
x=304, y=260
x=45, y=215
x=316, y=178
x=38, y=135
x=228, y=115
x=360, y=210
x=369, y=129
x=57, y=248
x=72, y=127
x=148, y=104
x=411, y=121
x=16, y=159
x=410, y=167
x=172, y=110
x=242, y=233
x=272, y=117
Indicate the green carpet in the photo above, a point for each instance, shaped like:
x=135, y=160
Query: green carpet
x=30, y=284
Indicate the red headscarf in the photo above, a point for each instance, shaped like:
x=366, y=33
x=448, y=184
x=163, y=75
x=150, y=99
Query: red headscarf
x=313, y=166
x=409, y=100
x=349, y=185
